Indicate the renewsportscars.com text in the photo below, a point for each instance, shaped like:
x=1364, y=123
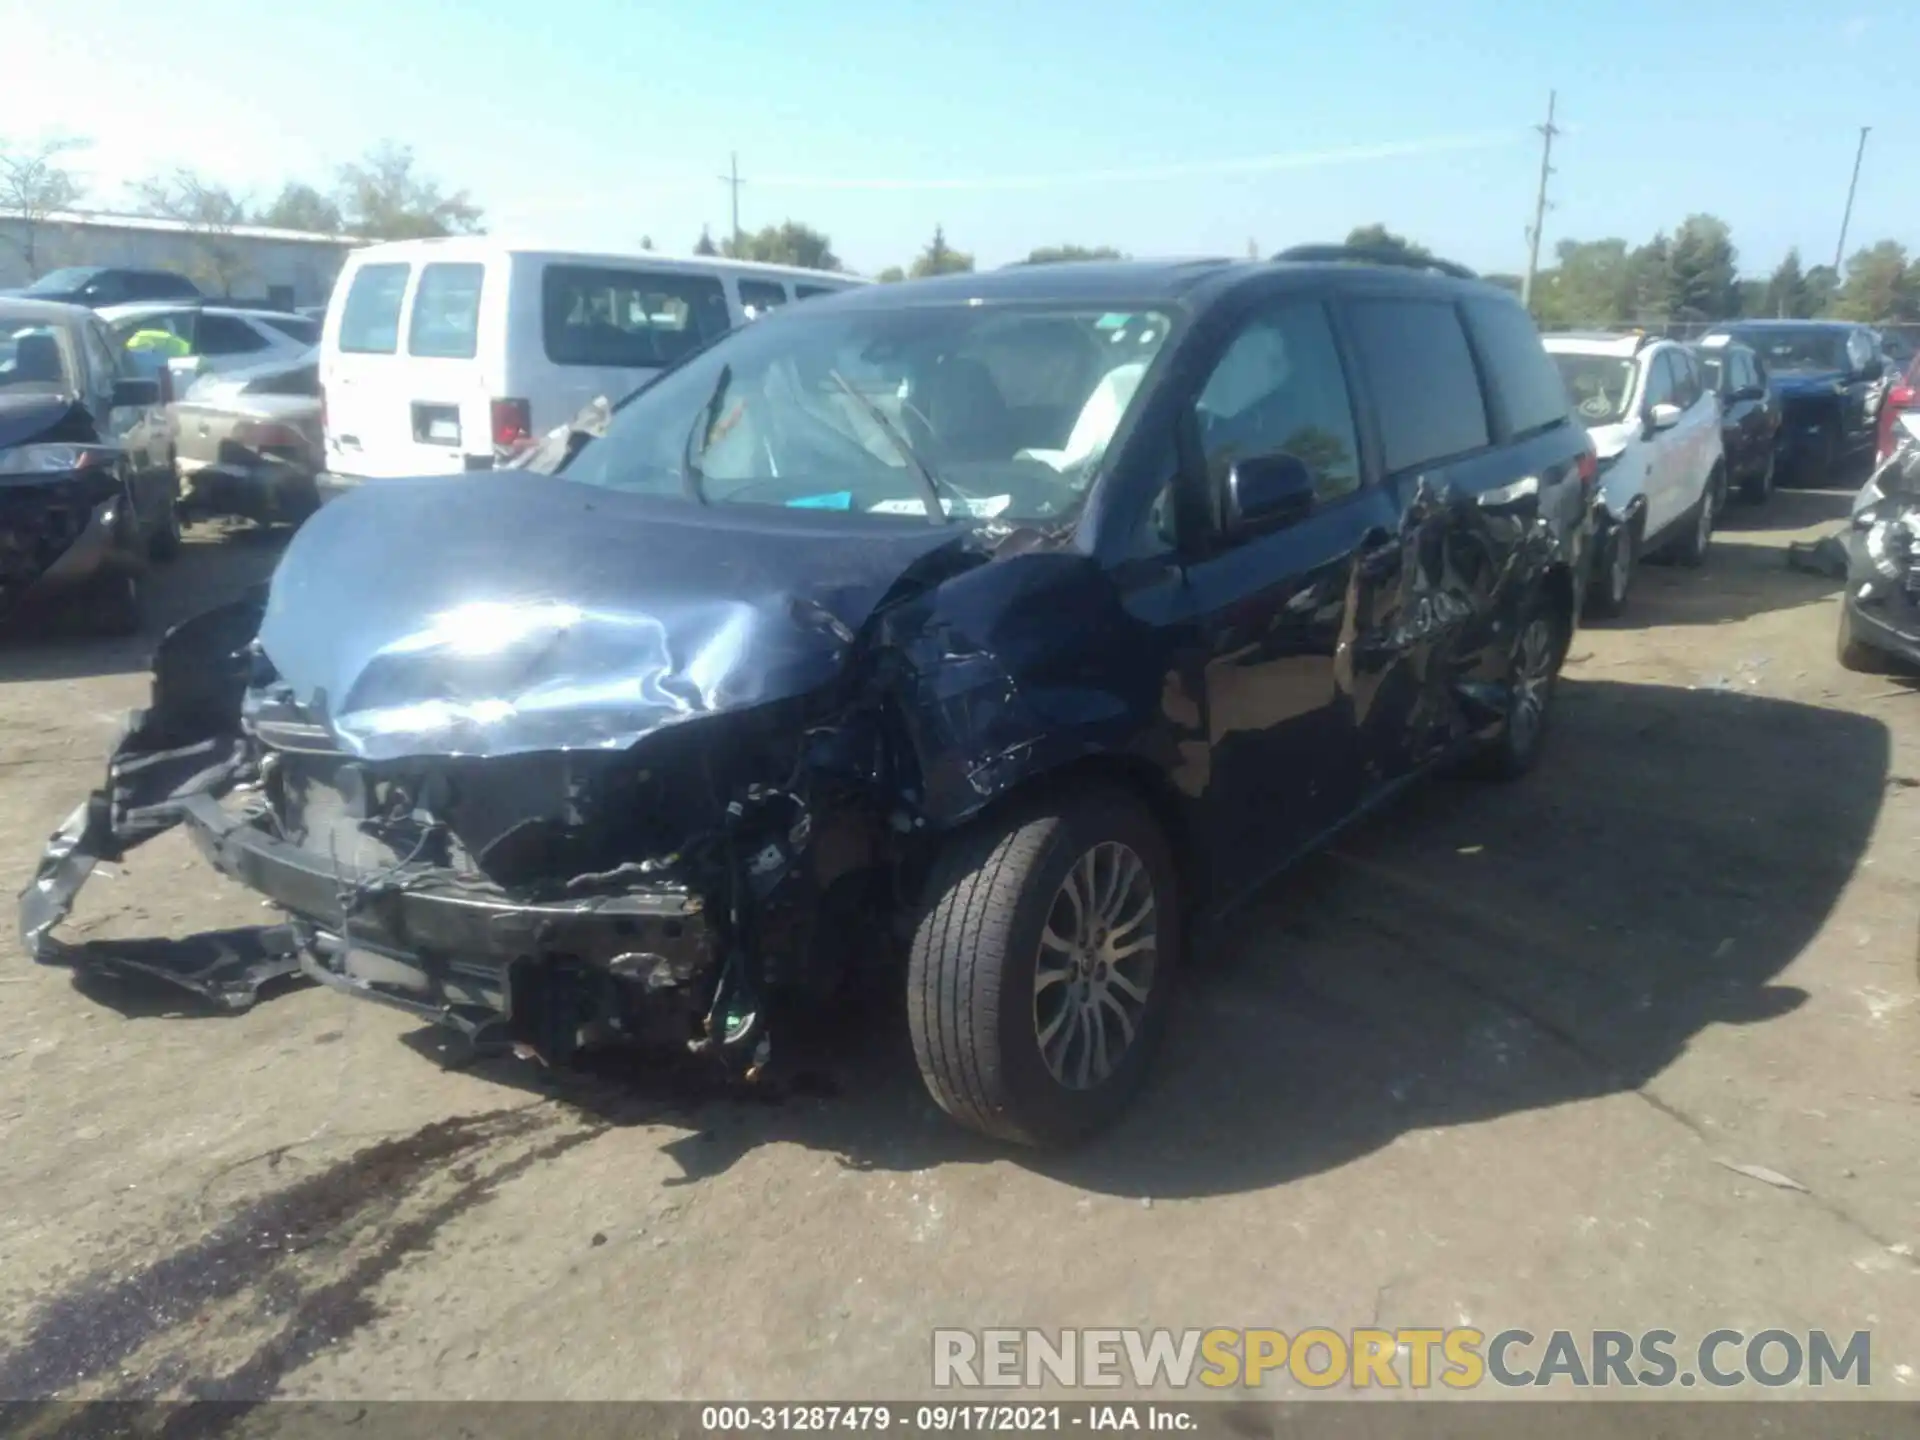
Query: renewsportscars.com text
x=1458, y=1358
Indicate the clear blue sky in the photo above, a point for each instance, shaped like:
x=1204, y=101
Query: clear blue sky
x=1161, y=128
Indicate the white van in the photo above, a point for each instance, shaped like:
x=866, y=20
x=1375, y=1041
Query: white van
x=449, y=354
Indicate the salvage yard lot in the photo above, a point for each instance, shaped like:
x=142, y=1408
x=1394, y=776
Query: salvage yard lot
x=1488, y=1063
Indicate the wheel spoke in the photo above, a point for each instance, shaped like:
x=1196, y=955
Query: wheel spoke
x=1126, y=872
x=1053, y=1029
x=1118, y=979
x=1120, y=1013
x=1047, y=977
x=1051, y=939
x=1124, y=925
x=1114, y=954
x=1097, y=1025
x=1085, y=1019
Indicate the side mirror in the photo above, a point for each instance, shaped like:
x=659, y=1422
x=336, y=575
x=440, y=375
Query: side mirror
x=135, y=393
x=1265, y=492
x=1873, y=369
x=1662, y=417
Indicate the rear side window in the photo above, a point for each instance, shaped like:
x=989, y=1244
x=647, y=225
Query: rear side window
x=1424, y=384
x=226, y=335
x=307, y=332
x=807, y=292
x=370, y=318
x=1527, y=382
x=628, y=319
x=446, y=312
x=759, y=296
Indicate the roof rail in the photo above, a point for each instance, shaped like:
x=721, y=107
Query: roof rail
x=1372, y=255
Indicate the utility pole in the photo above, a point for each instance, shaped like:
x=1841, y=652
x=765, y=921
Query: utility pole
x=1846, y=217
x=1547, y=132
x=733, y=182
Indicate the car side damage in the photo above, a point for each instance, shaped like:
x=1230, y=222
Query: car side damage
x=541, y=822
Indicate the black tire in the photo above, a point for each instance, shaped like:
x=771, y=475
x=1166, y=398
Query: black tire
x=1538, y=650
x=1856, y=656
x=1619, y=559
x=165, y=544
x=119, y=609
x=1697, y=530
x=973, y=993
x=1758, y=489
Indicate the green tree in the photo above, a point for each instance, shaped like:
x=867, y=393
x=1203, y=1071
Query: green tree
x=1823, y=289
x=940, y=258
x=1378, y=237
x=299, y=206
x=788, y=243
x=34, y=184
x=704, y=245
x=1702, y=273
x=1881, y=285
x=1787, y=297
x=891, y=275
x=1591, y=283
x=210, y=212
x=1649, y=281
x=1055, y=254
x=382, y=197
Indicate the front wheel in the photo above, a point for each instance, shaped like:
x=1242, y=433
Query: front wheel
x=1042, y=968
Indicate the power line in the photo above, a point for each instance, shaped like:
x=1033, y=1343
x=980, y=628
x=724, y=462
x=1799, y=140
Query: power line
x=1547, y=132
x=1846, y=216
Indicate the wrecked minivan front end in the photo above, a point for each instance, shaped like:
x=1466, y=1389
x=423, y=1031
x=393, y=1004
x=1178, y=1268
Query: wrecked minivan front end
x=626, y=813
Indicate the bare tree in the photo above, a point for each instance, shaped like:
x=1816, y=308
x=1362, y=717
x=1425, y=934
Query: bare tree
x=211, y=212
x=33, y=185
x=383, y=198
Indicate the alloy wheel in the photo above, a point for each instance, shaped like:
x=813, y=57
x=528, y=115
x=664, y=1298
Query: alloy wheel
x=1096, y=966
x=1532, y=683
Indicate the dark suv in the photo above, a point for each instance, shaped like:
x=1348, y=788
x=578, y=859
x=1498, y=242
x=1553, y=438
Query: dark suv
x=984, y=636
x=97, y=286
x=1828, y=375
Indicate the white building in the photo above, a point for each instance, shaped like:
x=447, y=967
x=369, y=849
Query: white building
x=281, y=267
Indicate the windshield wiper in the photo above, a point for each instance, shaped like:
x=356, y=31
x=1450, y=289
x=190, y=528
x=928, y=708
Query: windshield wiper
x=690, y=472
x=929, y=484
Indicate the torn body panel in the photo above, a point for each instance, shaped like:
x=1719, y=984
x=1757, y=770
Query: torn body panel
x=1881, y=544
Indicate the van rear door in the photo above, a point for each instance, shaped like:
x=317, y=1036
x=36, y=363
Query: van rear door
x=406, y=389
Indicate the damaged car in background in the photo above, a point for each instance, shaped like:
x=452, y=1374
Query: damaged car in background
x=1880, y=612
x=982, y=636
x=249, y=443
x=86, y=493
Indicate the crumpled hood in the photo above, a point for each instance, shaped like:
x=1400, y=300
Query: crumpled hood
x=25, y=418
x=508, y=612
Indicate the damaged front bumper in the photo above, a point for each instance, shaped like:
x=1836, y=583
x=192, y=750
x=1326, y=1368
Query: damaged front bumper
x=643, y=960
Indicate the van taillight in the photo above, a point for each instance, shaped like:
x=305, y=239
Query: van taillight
x=512, y=424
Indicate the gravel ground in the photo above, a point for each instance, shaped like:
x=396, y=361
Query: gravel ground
x=1490, y=1062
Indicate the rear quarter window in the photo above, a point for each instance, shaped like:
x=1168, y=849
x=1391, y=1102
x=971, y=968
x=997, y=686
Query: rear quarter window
x=807, y=292
x=307, y=332
x=1421, y=372
x=1527, y=382
x=628, y=319
x=446, y=312
x=370, y=316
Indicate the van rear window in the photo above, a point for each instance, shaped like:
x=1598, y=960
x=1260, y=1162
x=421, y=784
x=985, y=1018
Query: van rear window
x=446, y=312
x=370, y=318
x=628, y=319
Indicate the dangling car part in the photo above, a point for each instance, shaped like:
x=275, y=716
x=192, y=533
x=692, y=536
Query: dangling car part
x=995, y=630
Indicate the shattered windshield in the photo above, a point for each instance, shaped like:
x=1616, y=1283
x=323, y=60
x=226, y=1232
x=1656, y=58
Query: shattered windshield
x=1002, y=413
x=1785, y=349
x=33, y=362
x=1599, y=386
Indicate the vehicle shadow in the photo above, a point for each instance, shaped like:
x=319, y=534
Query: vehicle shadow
x=214, y=566
x=1786, y=510
x=1465, y=955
